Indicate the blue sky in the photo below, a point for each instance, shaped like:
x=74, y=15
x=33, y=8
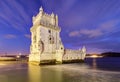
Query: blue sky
x=92, y=23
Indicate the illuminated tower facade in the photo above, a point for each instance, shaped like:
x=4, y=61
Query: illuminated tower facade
x=46, y=44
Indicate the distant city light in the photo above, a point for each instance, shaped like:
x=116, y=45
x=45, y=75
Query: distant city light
x=94, y=56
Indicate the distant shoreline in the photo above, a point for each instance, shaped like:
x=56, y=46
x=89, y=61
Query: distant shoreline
x=14, y=58
x=111, y=54
x=105, y=54
x=25, y=58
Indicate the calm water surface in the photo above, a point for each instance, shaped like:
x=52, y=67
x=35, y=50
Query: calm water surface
x=93, y=70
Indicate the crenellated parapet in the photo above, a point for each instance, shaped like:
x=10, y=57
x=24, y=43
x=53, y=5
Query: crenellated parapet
x=70, y=54
x=48, y=20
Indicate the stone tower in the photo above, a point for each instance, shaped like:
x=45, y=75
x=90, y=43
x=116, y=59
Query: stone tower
x=46, y=45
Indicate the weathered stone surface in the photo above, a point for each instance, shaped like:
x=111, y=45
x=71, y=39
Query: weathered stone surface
x=46, y=44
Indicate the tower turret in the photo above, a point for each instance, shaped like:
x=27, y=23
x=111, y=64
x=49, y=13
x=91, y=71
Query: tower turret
x=56, y=22
x=41, y=9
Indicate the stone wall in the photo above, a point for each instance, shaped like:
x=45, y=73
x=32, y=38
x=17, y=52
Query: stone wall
x=70, y=54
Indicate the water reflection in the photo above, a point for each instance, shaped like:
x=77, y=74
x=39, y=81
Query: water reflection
x=77, y=72
x=13, y=72
x=94, y=63
x=70, y=73
x=44, y=74
x=34, y=73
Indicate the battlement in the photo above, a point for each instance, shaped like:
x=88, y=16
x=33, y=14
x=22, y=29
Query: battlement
x=46, y=19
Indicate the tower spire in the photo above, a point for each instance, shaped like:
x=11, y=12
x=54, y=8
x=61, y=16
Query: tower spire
x=41, y=9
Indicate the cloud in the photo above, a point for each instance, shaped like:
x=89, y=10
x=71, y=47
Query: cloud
x=9, y=36
x=102, y=29
x=27, y=36
x=96, y=50
x=91, y=33
x=108, y=25
x=74, y=33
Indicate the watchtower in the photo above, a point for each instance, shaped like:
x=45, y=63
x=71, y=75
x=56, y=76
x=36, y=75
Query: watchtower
x=46, y=44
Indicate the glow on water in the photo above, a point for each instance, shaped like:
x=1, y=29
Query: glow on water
x=77, y=72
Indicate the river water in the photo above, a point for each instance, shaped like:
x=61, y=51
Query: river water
x=93, y=70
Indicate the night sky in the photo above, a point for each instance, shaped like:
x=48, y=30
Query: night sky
x=91, y=23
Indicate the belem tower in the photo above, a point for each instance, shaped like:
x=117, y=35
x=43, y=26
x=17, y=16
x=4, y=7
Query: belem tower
x=46, y=45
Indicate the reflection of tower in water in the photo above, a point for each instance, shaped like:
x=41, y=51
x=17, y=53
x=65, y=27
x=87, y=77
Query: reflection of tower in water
x=44, y=73
x=94, y=64
x=34, y=73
